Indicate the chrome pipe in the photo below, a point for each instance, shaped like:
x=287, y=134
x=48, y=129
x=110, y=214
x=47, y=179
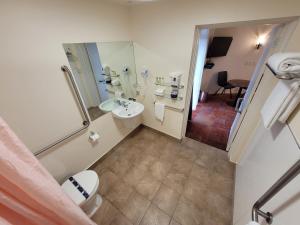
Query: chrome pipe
x=83, y=110
x=279, y=184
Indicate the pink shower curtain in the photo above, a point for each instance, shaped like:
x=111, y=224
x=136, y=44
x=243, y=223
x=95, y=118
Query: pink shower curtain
x=28, y=193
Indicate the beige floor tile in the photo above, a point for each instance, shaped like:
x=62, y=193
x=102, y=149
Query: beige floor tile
x=195, y=191
x=148, y=186
x=105, y=214
x=207, y=159
x=202, y=174
x=120, y=219
x=191, y=143
x=213, y=218
x=130, y=154
x=135, y=208
x=187, y=213
x=153, y=149
x=225, y=168
x=137, y=158
x=160, y=169
x=174, y=222
x=148, y=134
x=188, y=153
x=146, y=161
x=220, y=206
x=104, y=163
x=163, y=141
x=166, y=199
x=107, y=180
x=221, y=185
x=134, y=175
x=119, y=194
x=168, y=155
x=155, y=216
x=182, y=165
x=120, y=167
x=175, y=180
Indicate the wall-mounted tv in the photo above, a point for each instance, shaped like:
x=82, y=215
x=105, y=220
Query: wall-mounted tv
x=219, y=47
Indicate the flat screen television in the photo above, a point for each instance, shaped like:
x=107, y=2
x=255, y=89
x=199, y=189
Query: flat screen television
x=219, y=47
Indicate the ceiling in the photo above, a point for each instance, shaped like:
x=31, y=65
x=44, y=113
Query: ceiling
x=130, y=2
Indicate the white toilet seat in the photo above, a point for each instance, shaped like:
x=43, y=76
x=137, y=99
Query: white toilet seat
x=88, y=180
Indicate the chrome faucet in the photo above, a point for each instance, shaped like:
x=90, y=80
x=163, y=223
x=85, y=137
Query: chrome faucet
x=122, y=103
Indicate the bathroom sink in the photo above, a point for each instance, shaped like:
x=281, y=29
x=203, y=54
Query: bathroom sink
x=128, y=109
x=108, y=105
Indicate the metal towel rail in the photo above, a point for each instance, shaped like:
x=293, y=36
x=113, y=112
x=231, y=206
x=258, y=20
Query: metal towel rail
x=281, y=183
x=85, y=122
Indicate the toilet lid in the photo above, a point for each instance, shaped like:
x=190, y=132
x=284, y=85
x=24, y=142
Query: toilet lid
x=87, y=179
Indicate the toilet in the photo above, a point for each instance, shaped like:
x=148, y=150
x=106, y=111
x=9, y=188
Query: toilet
x=82, y=189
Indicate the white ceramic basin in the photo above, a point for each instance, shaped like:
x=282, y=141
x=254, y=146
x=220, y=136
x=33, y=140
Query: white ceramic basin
x=109, y=105
x=128, y=109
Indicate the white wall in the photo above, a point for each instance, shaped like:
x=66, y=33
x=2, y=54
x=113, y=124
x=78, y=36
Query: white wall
x=241, y=57
x=272, y=153
x=35, y=98
x=164, y=32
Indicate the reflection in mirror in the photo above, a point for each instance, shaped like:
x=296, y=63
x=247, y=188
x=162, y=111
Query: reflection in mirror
x=104, y=73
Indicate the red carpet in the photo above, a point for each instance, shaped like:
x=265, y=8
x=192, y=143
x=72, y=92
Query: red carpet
x=211, y=121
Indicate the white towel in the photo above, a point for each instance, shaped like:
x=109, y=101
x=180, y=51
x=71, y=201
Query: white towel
x=159, y=110
x=290, y=108
x=281, y=102
x=283, y=63
x=253, y=223
x=115, y=82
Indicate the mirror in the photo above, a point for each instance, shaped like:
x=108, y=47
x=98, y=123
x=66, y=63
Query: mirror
x=104, y=72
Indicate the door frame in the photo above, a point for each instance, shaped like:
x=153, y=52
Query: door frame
x=194, y=58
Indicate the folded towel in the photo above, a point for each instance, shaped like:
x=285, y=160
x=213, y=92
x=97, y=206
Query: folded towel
x=283, y=63
x=115, y=82
x=291, y=106
x=159, y=110
x=281, y=102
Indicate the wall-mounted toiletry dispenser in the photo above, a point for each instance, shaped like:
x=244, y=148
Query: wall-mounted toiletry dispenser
x=175, y=79
x=174, y=94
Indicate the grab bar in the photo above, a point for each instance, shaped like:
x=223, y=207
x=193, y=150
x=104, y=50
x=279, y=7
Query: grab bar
x=281, y=183
x=85, y=122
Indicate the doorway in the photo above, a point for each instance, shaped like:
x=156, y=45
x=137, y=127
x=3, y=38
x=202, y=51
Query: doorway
x=231, y=70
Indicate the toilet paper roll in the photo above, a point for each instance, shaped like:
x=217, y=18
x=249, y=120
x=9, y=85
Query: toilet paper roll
x=94, y=136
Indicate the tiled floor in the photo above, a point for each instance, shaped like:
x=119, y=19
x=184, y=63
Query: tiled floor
x=152, y=179
x=95, y=112
x=211, y=121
